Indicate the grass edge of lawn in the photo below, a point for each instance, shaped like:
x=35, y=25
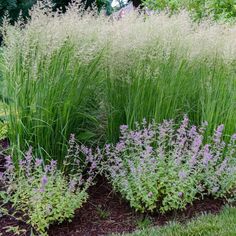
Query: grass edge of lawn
x=223, y=223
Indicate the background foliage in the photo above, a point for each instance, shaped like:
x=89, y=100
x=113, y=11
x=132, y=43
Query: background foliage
x=218, y=9
x=14, y=7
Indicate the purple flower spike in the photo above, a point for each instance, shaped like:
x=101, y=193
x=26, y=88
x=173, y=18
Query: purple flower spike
x=193, y=132
x=38, y=162
x=182, y=175
x=9, y=164
x=233, y=137
x=207, y=156
x=44, y=181
x=28, y=154
x=123, y=128
x=120, y=146
x=53, y=165
x=218, y=133
x=72, y=185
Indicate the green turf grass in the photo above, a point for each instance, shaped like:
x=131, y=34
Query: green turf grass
x=206, y=225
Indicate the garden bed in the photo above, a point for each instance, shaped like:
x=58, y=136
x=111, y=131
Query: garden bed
x=96, y=138
x=106, y=213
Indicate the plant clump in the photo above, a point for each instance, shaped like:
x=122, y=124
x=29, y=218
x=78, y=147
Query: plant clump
x=161, y=167
x=46, y=194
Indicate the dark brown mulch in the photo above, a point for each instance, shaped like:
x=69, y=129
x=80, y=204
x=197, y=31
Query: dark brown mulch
x=10, y=224
x=3, y=146
x=106, y=213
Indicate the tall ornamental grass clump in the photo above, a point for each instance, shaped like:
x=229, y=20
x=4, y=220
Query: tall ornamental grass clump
x=168, y=66
x=51, y=76
x=164, y=167
x=87, y=74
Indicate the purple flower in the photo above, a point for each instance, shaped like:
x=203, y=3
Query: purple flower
x=197, y=142
x=192, y=132
x=180, y=194
x=182, y=175
x=72, y=185
x=44, y=181
x=215, y=189
x=90, y=180
x=86, y=151
x=149, y=149
x=22, y=164
x=222, y=167
x=136, y=136
x=123, y=129
x=233, y=137
x=131, y=166
x=108, y=149
x=9, y=164
x=207, y=156
x=38, y=162
x=94, y=165
x=185, y=121
x=192, y=162
x=120, y=146
x=218, y=133
x=147, y=152
x=28, y=155
x=163, y=131
x=47, y=168
x=53, y=165
x=182, y=129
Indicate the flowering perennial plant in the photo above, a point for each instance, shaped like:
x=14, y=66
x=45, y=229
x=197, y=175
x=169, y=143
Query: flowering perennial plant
x=43, y=192
x=165, y=167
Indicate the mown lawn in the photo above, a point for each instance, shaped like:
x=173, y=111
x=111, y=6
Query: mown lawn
x=223, y=224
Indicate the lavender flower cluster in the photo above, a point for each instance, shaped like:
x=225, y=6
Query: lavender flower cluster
x=80, y=162
x=164, y=166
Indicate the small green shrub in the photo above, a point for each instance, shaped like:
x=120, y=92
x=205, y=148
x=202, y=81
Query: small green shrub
x=44, y=194
x=159, y=167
